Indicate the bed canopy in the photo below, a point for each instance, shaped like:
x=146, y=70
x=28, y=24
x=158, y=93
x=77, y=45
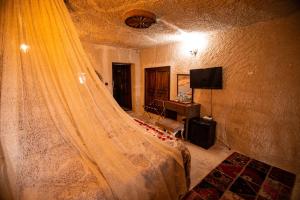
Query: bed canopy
x=62, y=134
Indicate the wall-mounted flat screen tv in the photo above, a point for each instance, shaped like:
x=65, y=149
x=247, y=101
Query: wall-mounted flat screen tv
x=206, y=78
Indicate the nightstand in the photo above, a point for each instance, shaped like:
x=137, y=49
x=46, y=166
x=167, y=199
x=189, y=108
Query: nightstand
x=202, y=132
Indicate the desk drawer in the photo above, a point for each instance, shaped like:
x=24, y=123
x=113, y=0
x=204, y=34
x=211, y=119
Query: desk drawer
x=174, y=107
x=188, y=110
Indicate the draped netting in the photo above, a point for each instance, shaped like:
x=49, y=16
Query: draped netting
x=62, y=134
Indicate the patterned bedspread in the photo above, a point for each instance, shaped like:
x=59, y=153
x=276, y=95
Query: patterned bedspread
x=172, y=141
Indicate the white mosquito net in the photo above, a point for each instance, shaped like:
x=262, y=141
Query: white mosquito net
x=62, y=134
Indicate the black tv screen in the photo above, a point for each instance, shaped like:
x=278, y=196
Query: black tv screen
x=207, y=78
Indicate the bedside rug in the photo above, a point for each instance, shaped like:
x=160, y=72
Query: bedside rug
x=242, y=178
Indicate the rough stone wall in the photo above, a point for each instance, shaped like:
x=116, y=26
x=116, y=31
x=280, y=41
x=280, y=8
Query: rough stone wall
x=103, y=56
x=258, y=111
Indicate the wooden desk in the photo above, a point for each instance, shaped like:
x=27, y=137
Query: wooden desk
x=188, y=110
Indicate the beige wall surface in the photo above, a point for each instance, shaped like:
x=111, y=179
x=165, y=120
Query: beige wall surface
x=102, y=57
x=258, y=110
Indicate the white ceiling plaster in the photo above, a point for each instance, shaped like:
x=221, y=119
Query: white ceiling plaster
x=102, y=21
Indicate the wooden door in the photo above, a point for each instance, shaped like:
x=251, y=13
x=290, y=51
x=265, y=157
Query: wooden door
x=162, y=84
x=150, y=85
x=157, y=84
x=122, y=85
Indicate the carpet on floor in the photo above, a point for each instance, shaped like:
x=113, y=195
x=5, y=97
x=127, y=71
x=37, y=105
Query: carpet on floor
x=242, y=178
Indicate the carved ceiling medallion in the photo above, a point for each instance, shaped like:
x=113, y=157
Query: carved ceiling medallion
x=139, y=19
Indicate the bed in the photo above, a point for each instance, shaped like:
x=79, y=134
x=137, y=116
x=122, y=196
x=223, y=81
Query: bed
x=58, y=172
x=171, y=140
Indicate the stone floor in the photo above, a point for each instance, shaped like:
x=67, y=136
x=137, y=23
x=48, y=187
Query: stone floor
x=203, y=161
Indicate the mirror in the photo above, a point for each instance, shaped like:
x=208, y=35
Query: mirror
x=184, y=92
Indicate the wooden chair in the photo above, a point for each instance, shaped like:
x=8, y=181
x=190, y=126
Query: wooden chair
x=156, y=107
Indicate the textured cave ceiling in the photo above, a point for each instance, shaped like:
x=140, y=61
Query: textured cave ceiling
x=102, y=21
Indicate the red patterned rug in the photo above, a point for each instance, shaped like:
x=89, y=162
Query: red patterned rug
x=242, y=178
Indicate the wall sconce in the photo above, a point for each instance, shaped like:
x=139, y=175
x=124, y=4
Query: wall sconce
x=194, y=52
x=193, y=43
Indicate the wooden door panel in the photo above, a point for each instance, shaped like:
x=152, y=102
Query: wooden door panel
x=162, y=85
x=157, y=84
x=150, y=86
